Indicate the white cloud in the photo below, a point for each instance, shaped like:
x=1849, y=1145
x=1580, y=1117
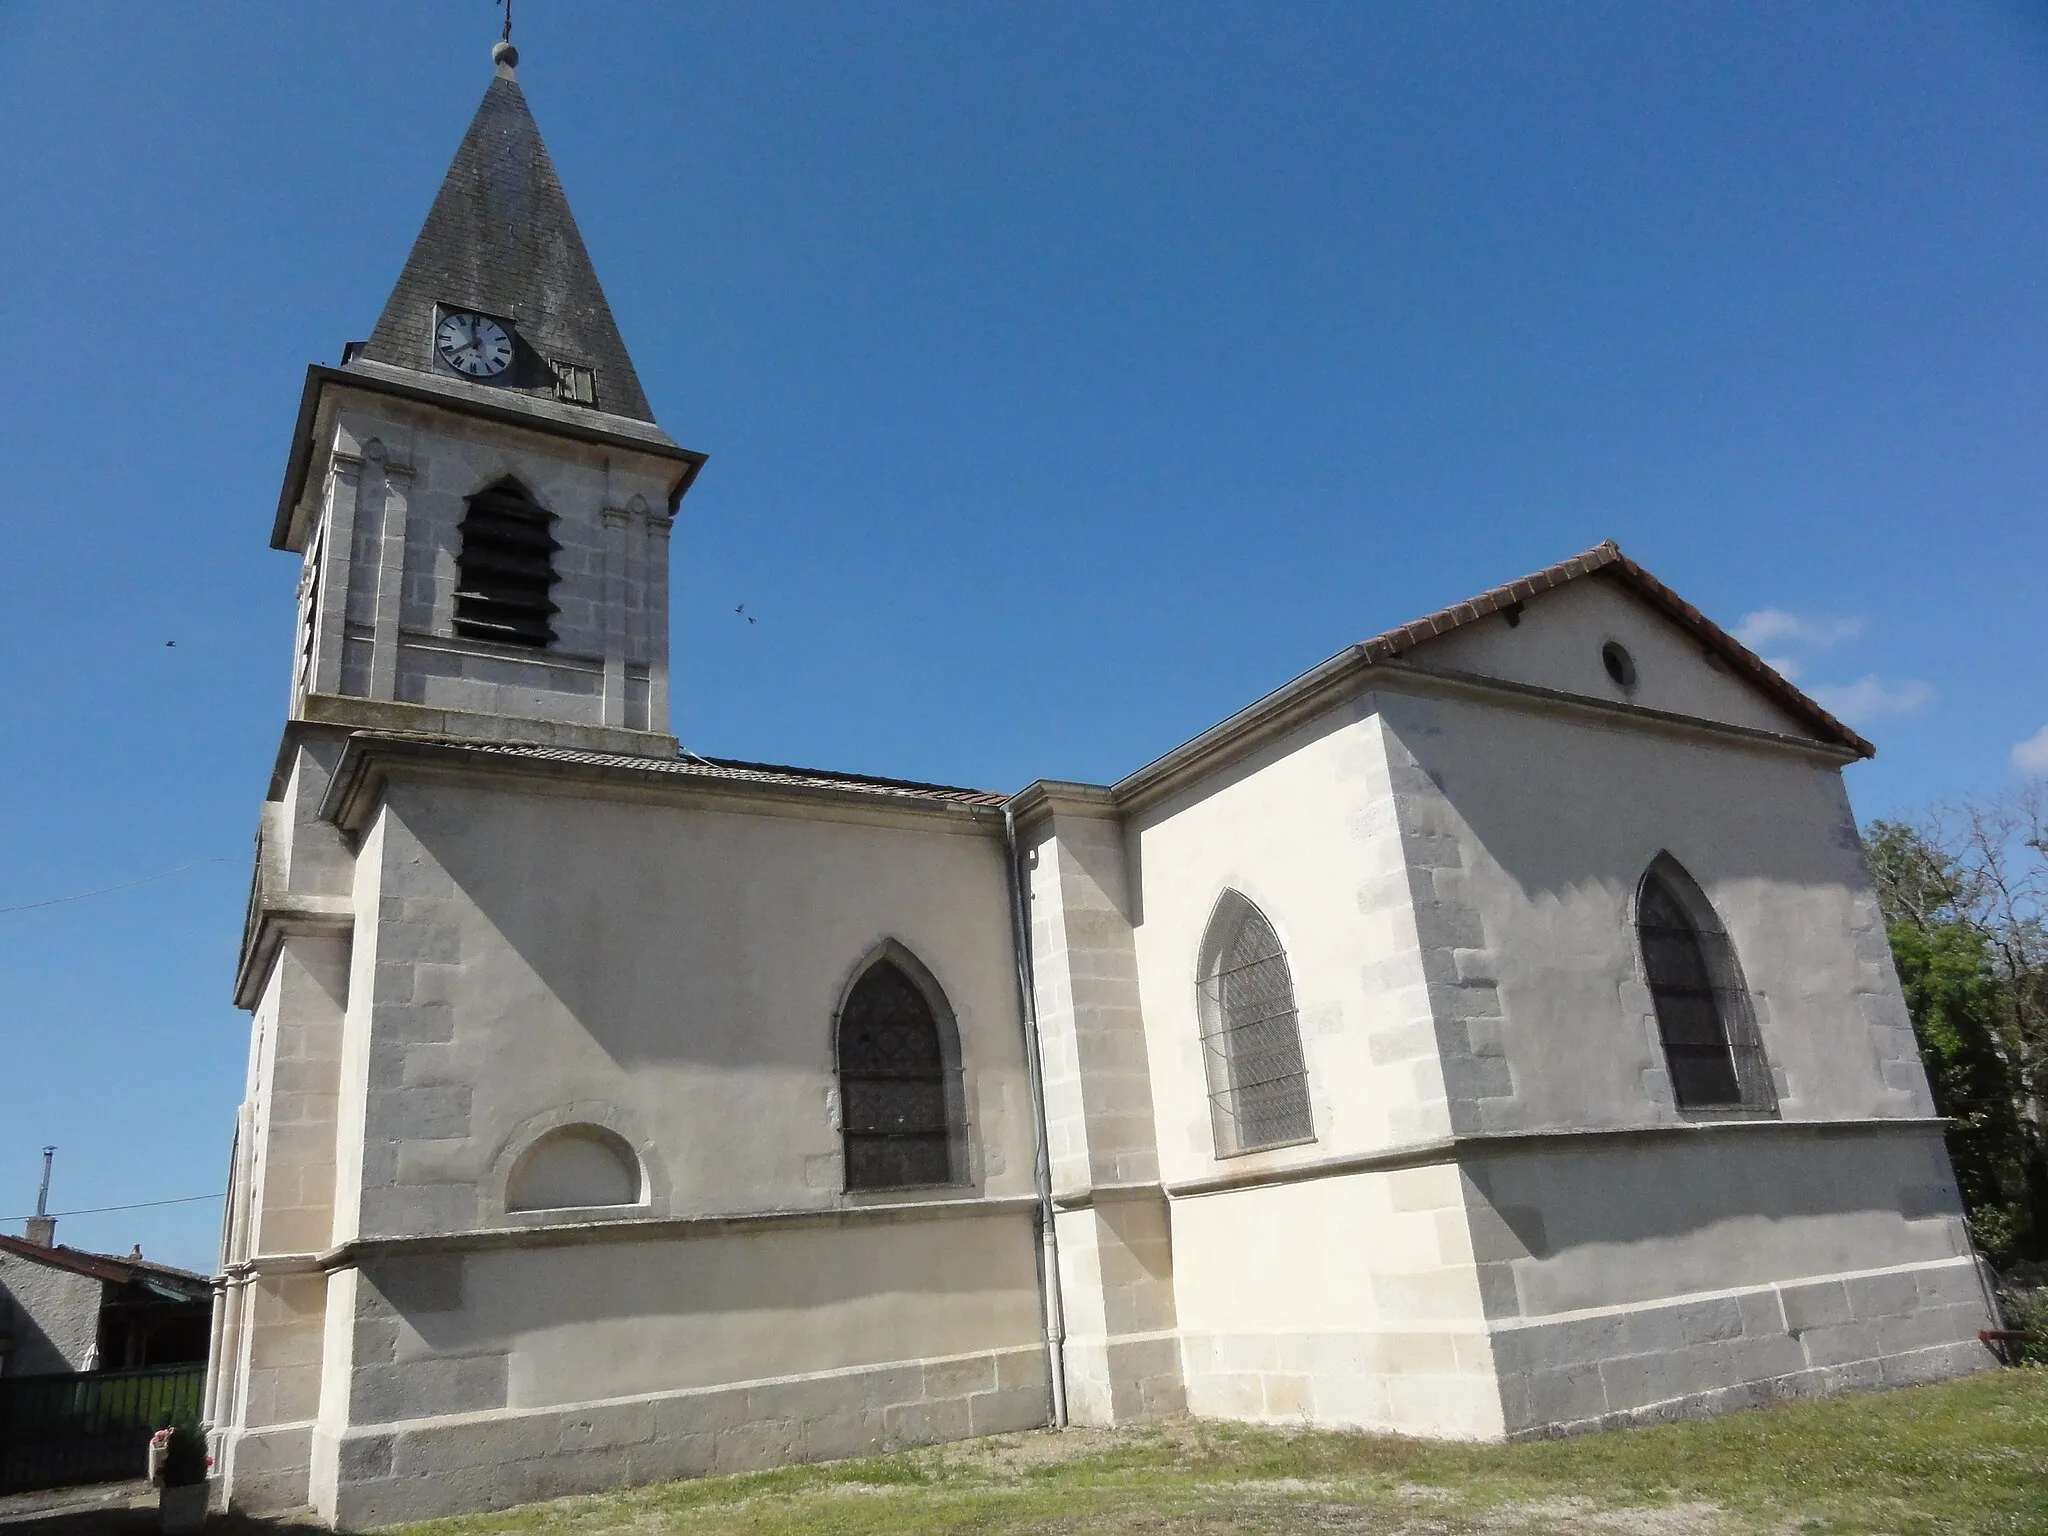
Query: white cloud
x=2031, y=755
x=1871, y=698
x=1768, y=626
x=1784, y=666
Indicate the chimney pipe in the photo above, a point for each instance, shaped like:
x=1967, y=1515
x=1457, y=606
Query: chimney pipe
x=42, y=1228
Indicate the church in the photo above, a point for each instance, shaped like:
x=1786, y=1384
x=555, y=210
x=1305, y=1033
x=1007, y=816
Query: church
x=1489, y=1033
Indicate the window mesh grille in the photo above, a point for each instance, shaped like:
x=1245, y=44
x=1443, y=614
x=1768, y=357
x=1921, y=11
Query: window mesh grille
x=1711, y=1045
x=892, y=1085
x=506, y=569
x=1251, y=1036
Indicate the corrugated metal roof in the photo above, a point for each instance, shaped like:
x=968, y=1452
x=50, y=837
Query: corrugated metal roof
x=736, y=771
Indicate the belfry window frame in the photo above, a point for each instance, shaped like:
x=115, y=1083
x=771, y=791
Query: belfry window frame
x=506, y=541
x=949, y=1079
x=1246, y=1060
x=1699, y=966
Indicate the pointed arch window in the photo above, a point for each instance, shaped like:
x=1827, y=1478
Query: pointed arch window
x=1251, y=1035
x=898, y=1079
x=506, y=569
x=1704, y=1018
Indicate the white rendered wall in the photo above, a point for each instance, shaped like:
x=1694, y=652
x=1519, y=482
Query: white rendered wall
x=668, y=968
x=1346, y=1299
x=1648, y=1274
x=1533, y=830
x=1558, y=643
x=1453, y=879
x=679, y=964
x=1305, y=830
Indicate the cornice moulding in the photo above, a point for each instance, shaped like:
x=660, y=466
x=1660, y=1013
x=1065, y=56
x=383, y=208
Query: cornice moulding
x=1349, y=675
x=351, y=1254
x=1449, y=1149
x=325, y=383
x=275, y=916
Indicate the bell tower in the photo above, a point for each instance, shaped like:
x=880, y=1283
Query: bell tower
x=479, y=493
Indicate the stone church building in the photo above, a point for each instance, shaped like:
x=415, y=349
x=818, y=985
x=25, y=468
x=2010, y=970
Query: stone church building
x=1490, y=1032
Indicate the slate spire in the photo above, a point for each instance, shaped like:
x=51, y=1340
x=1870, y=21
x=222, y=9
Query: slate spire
x=500, y=239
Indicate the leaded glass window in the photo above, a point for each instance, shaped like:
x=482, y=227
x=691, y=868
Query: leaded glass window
x=1251, y=1036
x=893, y=1084
x=1704, y=1019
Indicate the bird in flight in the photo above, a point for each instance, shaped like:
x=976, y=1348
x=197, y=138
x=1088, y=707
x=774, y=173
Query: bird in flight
x=168, y=644
x=741, y=610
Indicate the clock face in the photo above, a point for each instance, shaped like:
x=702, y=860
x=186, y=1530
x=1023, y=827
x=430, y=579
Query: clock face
x=473, y=344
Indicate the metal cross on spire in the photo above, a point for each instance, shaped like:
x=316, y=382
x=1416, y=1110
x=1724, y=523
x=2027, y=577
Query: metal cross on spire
x=503, y=54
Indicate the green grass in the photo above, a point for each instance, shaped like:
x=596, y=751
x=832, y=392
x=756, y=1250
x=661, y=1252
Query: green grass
x=1970, y=1455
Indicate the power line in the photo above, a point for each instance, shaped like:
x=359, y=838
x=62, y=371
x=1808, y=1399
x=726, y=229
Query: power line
x=162, y=874
x=140, y=1205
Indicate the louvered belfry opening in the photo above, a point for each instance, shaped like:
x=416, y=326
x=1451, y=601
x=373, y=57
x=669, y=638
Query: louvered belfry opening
x=893, y=1084
x=1704, y=1019
x=505, y=569
x=1251, y=1034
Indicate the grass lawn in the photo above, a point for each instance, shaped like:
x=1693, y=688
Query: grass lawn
x=1970, y=1455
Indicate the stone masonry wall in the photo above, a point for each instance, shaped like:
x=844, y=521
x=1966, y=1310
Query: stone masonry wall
x=1116, y=1254
x=1459, y=966
x=384, y=591
x=465, y=1461
x=1736, y=1349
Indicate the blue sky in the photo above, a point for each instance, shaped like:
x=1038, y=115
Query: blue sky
x=1071, y=375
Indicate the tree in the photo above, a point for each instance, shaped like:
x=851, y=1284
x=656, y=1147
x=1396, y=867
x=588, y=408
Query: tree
x=1964, y=890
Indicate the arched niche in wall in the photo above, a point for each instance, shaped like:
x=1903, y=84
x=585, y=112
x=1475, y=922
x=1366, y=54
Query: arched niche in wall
x=572, y=1168
x=582, y=1161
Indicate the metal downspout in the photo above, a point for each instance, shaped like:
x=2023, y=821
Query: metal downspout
x=1055, y=1312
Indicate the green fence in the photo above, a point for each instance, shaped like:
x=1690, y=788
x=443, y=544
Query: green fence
x=89, y=1426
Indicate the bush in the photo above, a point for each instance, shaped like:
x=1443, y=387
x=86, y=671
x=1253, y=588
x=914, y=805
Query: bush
x=2026, y=1308
x=185, y=1457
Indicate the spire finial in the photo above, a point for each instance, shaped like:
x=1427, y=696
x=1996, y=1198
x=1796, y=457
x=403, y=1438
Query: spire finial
x=503, y=54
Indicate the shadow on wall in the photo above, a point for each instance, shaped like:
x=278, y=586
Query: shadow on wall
x=1557, y=1200
x=1608, y=801
x=807, y=1276
x=34, y=1352
x=656, y=976
x=1711, y=1211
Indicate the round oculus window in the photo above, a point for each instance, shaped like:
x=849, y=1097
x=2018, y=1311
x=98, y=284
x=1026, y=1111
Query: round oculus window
x=1619, y=664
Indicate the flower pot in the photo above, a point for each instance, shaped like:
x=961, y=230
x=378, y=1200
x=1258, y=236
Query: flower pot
x=181, y=1509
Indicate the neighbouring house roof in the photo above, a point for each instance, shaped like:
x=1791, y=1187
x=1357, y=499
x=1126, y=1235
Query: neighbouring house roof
x=1608, y=562
x=166, y=1280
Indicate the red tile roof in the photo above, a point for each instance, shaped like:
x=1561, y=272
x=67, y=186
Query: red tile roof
x=100, y=1266
x=1607, y=561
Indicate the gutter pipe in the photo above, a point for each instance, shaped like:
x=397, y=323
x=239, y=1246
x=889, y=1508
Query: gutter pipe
x=1048, y=1238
